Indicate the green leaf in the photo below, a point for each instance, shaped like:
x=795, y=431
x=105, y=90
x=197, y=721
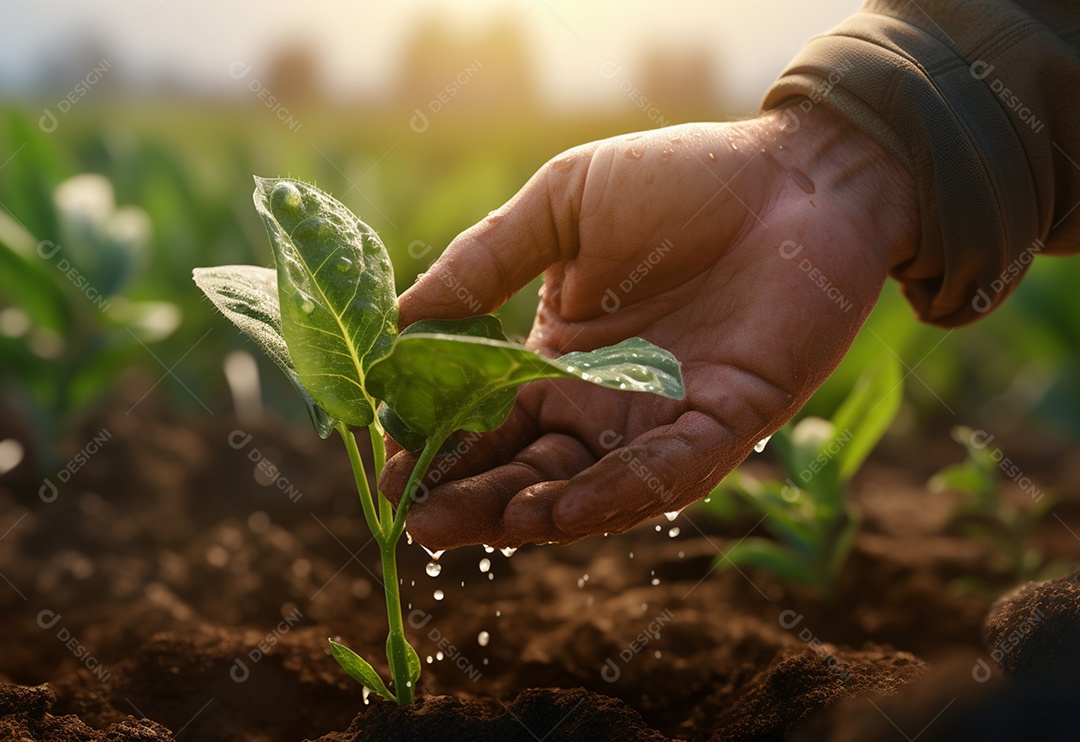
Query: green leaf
x=769, y=556
x=30, y=281
x=440, y=383
x=964, y=477
x=360, y=670
x=486, y=325
x=868, y=412
x=336, y=289
x=249, y=297
x=841, y=546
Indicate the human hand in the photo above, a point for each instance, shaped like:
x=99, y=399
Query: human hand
x=752, y=253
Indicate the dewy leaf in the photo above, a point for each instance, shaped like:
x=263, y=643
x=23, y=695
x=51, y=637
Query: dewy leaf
x=360, y=670
x=867, y=413
x=249, y=297
x=440, y=383
x=488, y=326
x=336, y=290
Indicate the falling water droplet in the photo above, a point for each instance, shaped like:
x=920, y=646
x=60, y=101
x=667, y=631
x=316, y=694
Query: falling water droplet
x=485, y=565
x=508, y=551
x=673, y=532
x=658, y=529
x=483, y=638
x=433, y=569
x=760, y=445
x=672, y=515
x=439, y=595
x=656, y=654
x=439, y=656
x=656, y=581
x=631, y=555
x=430, y=659
x=498, y=614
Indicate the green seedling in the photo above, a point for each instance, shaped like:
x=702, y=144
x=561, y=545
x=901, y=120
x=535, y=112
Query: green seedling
x=66, y=323
x=986, y=514
x=813, y=523
x=328, y=316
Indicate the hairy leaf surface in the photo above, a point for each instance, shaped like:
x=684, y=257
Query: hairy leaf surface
x=248, y=296
x=336, y=290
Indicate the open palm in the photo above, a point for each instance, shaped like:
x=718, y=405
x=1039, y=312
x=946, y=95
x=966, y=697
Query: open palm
x=751, y=253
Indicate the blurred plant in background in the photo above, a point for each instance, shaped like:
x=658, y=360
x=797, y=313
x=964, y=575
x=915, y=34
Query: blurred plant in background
x=987, y=513
x=812, y=521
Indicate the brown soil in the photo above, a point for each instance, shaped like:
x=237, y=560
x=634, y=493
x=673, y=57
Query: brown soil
x=175, y=590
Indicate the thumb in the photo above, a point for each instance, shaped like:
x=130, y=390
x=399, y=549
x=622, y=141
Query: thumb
x=488, y=263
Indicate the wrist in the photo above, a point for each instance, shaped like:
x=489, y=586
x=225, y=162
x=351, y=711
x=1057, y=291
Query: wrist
x=847, y=164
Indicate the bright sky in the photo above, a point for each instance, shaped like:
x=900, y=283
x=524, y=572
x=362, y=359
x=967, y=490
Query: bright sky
x=359, y=41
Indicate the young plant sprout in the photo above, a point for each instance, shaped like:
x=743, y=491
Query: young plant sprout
x=328, y=316
x=987, y=514
x=809, y=515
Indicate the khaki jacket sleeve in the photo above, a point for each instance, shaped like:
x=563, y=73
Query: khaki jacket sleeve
x=980, y=100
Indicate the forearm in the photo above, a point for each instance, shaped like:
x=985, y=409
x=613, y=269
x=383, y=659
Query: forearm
x=993, y=169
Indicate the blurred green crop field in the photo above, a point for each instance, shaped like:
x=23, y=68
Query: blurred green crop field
x=181, y=176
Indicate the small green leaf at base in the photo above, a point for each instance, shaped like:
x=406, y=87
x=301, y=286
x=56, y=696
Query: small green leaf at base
x=360, y=670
